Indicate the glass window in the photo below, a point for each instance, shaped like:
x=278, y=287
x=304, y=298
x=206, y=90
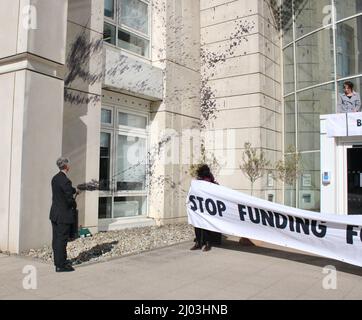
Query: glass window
x=347, y=8
x=105, y=157
x=309, y=182
x=105, y=208
x=311, y=104
x=288, y=69
x=311, y=15
x=131, y=42
x=349, y=47
x=287, y=21
x=131, y=163
x=134, y=14
x=129, y=206
x=106, y=116
x=109, y=33
x=289, y=196
x=109, y=8
x=127, y=25
x=315, y=59
x=289, y=122
x=132, y=120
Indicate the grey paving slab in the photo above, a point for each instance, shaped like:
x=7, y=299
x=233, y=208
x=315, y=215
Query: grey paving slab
x=230, y=271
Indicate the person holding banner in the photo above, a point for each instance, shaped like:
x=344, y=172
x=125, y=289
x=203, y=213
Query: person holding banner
x=350, y=100
x=204, y=237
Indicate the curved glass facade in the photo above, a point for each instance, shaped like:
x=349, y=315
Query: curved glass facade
x=322, y=48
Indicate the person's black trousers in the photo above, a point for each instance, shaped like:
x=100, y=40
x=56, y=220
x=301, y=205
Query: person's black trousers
x=60, y=238
x=203, y=236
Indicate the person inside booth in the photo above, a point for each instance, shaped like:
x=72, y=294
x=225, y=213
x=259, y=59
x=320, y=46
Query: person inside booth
x=349, y=100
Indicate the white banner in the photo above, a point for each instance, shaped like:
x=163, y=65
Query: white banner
x=344, y=124
x=354, y=123
x=336, y=125
x=220, y=209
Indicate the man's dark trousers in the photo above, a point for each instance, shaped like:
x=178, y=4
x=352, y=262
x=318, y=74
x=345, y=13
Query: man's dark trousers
x=60, y=239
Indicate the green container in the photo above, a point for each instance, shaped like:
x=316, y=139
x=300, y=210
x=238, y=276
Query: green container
x=84, y=232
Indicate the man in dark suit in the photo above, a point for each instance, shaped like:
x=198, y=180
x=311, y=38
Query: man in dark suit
x=62, y=214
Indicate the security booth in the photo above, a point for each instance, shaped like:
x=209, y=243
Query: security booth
x=341, y=163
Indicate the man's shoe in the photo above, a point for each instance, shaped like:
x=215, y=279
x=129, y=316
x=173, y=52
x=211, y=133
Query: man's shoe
x=64, y=269
x=195, y=247
x=207, y=247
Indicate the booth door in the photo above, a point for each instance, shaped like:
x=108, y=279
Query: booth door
x=354, y=180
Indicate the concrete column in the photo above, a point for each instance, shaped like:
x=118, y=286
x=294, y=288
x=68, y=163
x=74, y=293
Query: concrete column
x=176, y=50
x=82, y=101
x=241, y=85
x=32, y=56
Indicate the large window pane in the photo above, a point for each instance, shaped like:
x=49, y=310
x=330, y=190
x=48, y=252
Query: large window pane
x=105, y=208
x=104, y=164
x=290, y=198
x=129, y=206
x=315, y=59
x=311, y=14
x=288, y=55
x=131, y=163
x=132, y=120
x=287, y=21
x=109, y=8
x=109, y=33
x=289, y=122
x=134, y=14
x=347, y=8
x=309, y=182
x=349, y=47
x=106, y=116
x=311, y=104
x=133, y=43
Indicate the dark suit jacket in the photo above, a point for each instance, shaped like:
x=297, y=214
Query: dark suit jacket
x=63, y=203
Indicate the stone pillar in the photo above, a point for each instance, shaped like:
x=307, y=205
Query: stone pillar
x=241, y=86
x=82, y=101
x=176, y=50
x=32, y=57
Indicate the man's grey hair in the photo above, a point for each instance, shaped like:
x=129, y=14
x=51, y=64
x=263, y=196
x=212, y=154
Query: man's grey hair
x=62, y=163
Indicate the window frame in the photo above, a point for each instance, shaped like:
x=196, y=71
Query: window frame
x=105, y=124
x=114, y=23
x=114, y=131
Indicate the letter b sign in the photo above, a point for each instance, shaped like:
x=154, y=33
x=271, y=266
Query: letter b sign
x=359, y=123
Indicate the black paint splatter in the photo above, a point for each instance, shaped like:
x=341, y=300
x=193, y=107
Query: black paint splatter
x=80, y=53
x=209, y=61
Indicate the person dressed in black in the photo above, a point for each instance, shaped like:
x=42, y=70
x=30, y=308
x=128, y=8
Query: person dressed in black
x=204, y=237
x=62, y=214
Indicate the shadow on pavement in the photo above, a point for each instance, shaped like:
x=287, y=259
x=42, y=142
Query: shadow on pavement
x=291, y=256
x=92, y=253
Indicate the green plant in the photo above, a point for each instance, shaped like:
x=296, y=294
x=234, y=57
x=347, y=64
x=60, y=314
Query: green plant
x=254, y=164
x=205, y=158
x=288, y=169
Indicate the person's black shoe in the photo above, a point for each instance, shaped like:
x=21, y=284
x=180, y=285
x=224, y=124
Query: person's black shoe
x=67, y=268
x=196, y=246
x=207, y=247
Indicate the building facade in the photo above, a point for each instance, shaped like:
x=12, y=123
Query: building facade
x=135, y=91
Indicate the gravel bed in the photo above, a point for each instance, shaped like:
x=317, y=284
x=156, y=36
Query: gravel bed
x=105, y=245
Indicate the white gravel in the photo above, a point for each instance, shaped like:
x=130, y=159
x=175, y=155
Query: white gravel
x=105, y=245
